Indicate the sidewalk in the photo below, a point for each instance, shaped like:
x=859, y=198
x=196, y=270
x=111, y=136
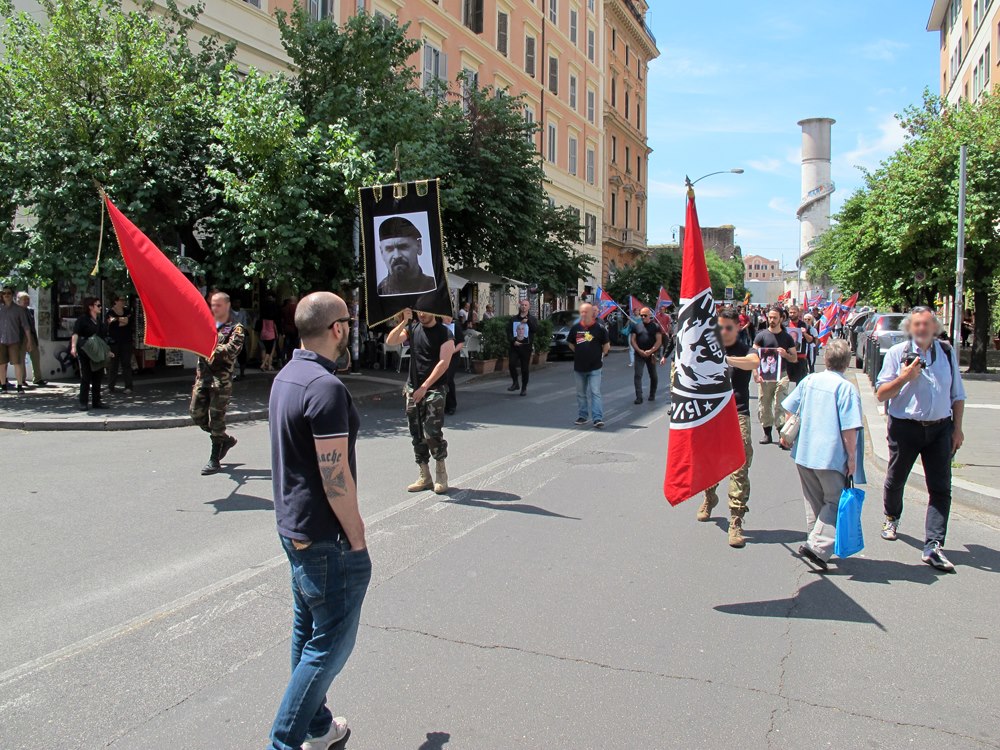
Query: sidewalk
x=974, y=470
x=163, y=402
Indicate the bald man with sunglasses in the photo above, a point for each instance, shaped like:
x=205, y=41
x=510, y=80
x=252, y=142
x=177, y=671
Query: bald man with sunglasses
x=646, y=341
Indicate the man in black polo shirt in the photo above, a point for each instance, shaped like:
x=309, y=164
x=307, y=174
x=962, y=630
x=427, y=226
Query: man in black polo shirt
x=431, y=350
x=773, y=342
x=314, y=428
x=742, y=361
x=646, y=341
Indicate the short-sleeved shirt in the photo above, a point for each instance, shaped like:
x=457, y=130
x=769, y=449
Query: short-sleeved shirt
x=117, y=332
x=798, y=370
x=740, y=378
x=929, y=397
x=425, y=351
x=781, y=340
x=307, y=402
x=85, y=327
x=589, y=342
x=827, y=404
x=645, y=335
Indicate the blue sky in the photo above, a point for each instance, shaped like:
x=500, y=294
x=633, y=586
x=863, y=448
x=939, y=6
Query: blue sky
x=732, y=80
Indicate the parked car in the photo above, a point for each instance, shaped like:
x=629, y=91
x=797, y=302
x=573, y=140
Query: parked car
x=885, y=333
x=561, y=322
x=855, y=324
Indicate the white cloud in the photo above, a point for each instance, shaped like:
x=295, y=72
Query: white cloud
x=870, y=150
x=767, y=164
x=663, y=189
x=881, y=50
x=680, y=64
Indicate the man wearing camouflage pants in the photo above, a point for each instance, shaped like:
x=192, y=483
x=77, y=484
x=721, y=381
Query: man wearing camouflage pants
x=742, y=360
x=431, y=350
x=213, y=383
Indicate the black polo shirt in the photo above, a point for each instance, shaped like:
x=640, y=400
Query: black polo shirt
x=308, y=401
x=645, y=335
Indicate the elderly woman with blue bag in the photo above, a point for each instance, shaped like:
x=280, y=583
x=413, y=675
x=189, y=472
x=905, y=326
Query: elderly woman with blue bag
x=827, y=447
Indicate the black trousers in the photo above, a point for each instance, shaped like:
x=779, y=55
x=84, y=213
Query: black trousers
x=520, y=358
x=650, y=366
x=908, y=440
x=451, y=399
x=90, y=381
x=122, y=359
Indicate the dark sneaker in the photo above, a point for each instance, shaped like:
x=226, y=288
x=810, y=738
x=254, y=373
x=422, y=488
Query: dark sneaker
x=599, y=424
x=20, y=388
x=580, y=420
x=212, y=467
x=934, y=556
x=101, y=406
x=524, y=391
x=83, y=407
x=890, y=529
x=514, y=387
x=810, y=556
x=652, y=397
x=638, y=400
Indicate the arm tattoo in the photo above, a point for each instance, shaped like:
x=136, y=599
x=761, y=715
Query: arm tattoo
x=332, y=471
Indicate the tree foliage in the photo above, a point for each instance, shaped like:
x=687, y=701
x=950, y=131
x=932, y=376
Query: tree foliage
x=894, y=240
x=645, y=277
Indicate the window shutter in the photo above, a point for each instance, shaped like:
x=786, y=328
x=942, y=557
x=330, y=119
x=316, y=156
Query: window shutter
x=478, y=22
x=428, y=65
x=502, y=32
x=529, y=56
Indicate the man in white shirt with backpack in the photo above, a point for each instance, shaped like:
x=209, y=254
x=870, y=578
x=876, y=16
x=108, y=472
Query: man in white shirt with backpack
x=926, y=402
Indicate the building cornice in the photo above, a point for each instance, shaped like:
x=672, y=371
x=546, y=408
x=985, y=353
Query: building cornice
x=639, y=33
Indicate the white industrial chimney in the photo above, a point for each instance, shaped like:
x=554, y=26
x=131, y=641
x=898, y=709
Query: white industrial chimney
x=817, y=187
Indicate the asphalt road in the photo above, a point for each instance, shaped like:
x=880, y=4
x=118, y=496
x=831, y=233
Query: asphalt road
x=552, y=601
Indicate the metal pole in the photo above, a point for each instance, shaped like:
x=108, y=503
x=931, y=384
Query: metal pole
x=958, y=309
x=356, y=312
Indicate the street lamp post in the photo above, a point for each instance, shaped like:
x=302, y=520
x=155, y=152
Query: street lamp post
x=691, y=183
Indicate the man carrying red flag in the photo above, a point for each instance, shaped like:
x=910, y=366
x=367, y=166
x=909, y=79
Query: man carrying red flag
x=705, y=443
x=213, y=382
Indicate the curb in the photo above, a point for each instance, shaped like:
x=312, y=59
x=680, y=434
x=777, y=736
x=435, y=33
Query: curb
x=976, y=496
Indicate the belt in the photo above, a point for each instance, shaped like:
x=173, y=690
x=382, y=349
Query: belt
x=926, y=423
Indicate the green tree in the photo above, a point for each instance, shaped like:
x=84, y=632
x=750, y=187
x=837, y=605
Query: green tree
x=93, y=93
x=646, y=276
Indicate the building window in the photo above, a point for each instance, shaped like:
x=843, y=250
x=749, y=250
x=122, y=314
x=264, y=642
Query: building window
x=502, y=37
x=554, y=75
x=472, y=15
x=590, y=229
x=591, y=45
x=553, y=134
x=628, y=158
x=470, y=82
x=614, y=39
x=572, y=156
x=628, y=211
x=638, y=67
x=638, y=168
x=318, y=9
x=614, y=92
x=572, y=92
x=626, y=56
x=573, y=22
x=627, y=109
x=614, y=149
x=554, y=11
x=590, y=5
x=591, y=105
x=614, y=209
x=529, y=55
x=591, y=163
x=435, y=65
x=638, y=218
x=529, y=117
x=638, y=113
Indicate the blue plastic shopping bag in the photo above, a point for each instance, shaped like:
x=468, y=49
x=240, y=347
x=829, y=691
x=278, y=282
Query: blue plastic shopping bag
x=850, y=537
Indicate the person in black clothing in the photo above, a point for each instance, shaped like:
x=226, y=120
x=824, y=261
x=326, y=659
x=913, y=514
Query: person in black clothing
x=590, y=343
x=742, y=361
x=773, y=344
x=800, y=368
x=87, y=325
x=522, y=338
x=431, y=349
x=451, y=399
x=647, y=341
x=120, y=331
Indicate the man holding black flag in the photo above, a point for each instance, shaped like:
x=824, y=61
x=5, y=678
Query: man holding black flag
x=432, y=347
x=522, y=338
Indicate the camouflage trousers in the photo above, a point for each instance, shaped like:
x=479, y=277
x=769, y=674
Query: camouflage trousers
x=426, y=422
x=739, y=480
x=209, y=401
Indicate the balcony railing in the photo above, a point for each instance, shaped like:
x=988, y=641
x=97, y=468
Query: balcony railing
x=640, y=18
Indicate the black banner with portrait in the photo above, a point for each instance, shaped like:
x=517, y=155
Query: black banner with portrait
x=402, y=246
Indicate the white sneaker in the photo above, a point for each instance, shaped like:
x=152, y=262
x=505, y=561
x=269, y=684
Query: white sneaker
x=338, y=730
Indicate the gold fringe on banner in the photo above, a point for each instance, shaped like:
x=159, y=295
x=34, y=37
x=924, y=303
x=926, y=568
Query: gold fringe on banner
x=100, y=239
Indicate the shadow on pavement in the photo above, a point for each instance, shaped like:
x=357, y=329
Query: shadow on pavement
x=435, y=741
x=237, y=500
x=978, y=557
x=817, y=600
x=495, y=500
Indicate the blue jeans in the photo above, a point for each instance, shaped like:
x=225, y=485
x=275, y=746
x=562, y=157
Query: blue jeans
x=329, y=582
x=589, y=384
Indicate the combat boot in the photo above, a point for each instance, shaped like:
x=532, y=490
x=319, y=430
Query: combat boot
x=736, y=531
x=424, y=481
x=440, y=478
x=213, y=466
x=227, y=443
x=711, y=500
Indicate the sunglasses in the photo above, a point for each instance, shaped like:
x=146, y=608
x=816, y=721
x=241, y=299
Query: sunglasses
x=340, y=320
x=644, y=316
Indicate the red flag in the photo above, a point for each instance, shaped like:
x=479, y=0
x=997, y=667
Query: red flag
x=635, y=305
x=826, y=321
x=705, y=444
x=663, y=305
x=177, y=316
x=605, y=305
